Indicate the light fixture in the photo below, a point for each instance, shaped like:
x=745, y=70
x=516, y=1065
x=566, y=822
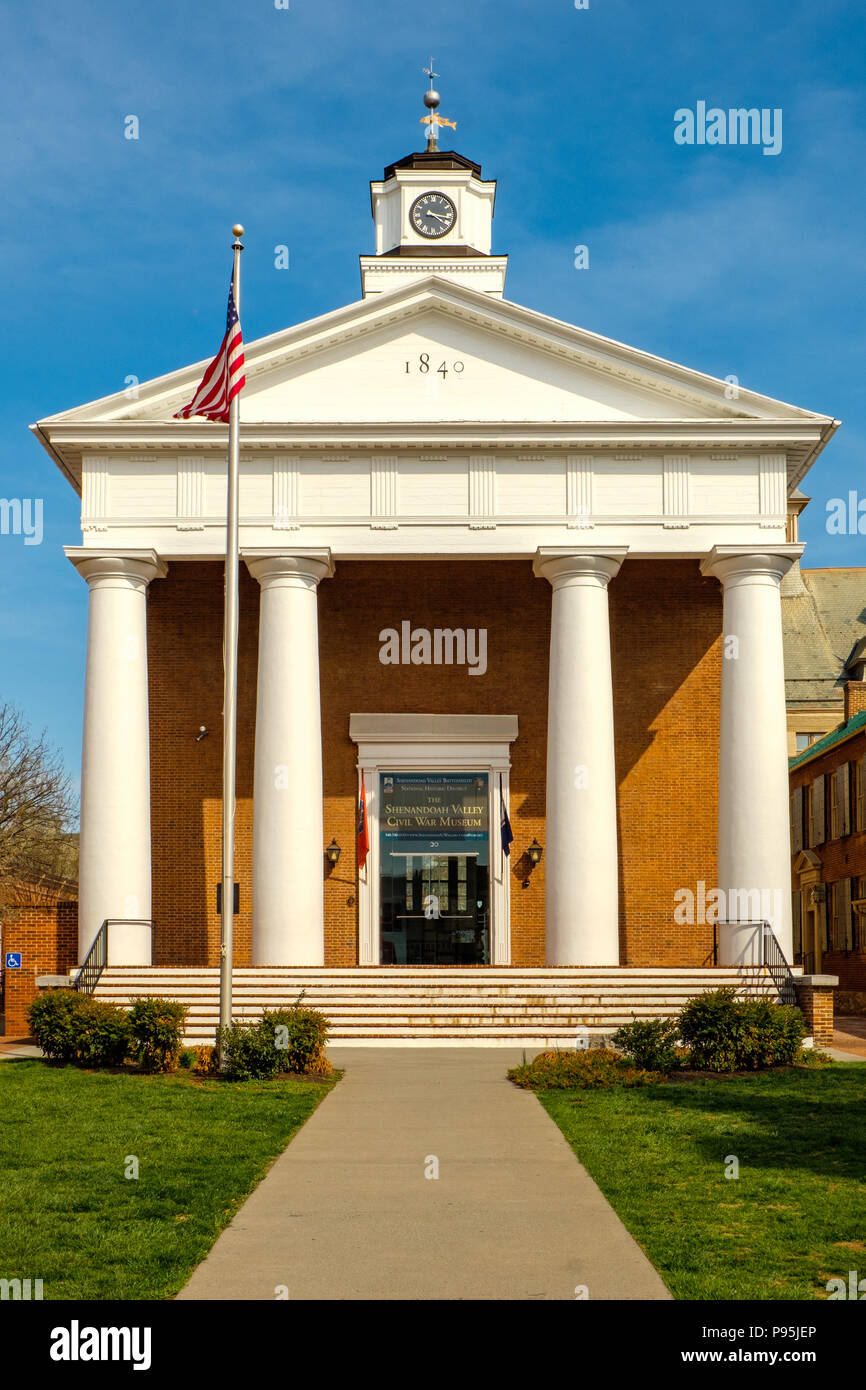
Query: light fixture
x=332, y=852
x=533, y=854
x=202, y=733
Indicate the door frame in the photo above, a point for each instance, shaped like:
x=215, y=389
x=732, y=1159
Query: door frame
x=434, y=743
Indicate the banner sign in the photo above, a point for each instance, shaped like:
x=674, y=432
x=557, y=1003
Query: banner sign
x=418, y=805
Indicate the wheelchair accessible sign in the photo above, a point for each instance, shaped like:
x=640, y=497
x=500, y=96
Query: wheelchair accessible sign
x=13, y=960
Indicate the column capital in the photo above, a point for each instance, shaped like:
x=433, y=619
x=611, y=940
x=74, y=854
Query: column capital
x=582, y=565
x=123, y=569
x=289, y=568
x=736, y=562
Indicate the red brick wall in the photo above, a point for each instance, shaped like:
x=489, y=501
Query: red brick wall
x=47, y=937
x=855, y=698
x=514, y=606
x=185, y=614
x=817, y=1006
x=665, y=624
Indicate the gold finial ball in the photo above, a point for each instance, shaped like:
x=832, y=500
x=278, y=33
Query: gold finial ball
x=237, y=229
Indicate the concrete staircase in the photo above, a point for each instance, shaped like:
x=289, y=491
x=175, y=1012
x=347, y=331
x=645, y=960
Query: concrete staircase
x=408, y=1006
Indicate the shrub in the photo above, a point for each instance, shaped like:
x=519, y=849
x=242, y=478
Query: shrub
x=206, y=1061
x=187, y=1059
x=156, y=1031
x=596, y=1069
x=101, y=1034
x=320, y=1066
x=299, y=1038
x=250, y=1053
x=283, y=1040
x=724, y=1033
x=649, y=1043
x=52, y=1018
x=73, y=1027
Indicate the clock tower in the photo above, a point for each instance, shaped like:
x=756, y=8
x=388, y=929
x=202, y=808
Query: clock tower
x=433, y=213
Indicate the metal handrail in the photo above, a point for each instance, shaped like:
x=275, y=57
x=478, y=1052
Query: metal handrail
x=772, y=958
x=94, y=962
x=777, y=964
x=97, y=957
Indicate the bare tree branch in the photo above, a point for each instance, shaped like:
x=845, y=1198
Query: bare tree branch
x=37, y=804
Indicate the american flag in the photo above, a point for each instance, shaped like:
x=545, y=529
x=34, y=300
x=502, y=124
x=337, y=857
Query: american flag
x=224, y=377
x=505, y=830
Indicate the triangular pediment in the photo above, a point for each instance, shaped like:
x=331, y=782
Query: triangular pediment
x=806, y=861
x=437, y=351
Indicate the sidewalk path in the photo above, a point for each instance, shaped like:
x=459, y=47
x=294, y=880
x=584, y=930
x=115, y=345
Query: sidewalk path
x=11, y=1048
x=347, y=1212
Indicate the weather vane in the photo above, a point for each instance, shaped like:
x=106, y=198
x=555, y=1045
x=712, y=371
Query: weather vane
x=433, y=120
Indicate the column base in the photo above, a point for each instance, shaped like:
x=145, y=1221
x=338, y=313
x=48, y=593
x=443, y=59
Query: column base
x=130, y=943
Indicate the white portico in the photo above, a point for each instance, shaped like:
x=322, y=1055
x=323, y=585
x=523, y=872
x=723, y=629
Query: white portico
x=435, y=422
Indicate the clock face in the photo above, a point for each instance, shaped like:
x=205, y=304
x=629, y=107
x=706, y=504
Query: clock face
x=432, y=214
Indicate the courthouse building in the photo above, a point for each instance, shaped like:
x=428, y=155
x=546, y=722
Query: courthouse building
x=493, y=564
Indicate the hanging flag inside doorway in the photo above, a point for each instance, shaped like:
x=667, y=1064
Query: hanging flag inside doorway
x=504, y=822
x=363, y=837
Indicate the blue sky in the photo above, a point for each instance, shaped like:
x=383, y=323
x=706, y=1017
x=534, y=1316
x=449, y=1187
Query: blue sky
x=116, y=252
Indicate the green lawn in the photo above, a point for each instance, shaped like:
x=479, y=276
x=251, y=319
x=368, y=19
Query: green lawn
x=792, y=1220
x=69, y=1215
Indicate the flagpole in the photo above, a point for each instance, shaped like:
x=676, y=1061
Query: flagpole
x=230, y=682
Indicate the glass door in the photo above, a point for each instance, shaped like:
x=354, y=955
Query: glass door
x=434, y=885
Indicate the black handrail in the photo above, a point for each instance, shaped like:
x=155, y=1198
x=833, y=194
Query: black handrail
x=97, y=957
x=774, y=960
x=94, y=962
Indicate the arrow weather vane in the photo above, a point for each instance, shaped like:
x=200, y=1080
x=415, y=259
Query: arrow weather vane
x=433, y=120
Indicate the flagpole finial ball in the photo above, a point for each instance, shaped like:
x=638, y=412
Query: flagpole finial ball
x=237, y=229
x=432, y=99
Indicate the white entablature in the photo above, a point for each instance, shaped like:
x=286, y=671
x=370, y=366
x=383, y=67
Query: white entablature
x=435, y=419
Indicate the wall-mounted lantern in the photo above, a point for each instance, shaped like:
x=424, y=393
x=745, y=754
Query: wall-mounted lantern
x=533, y=854
x=332, y=853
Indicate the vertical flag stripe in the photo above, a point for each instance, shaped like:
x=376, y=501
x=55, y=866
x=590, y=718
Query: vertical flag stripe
x=224, y=376
x=362, y=835
x=504, y=822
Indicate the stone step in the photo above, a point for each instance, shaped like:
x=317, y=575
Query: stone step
x=637, y=1006
x=398, y=973
x=411, y=1006
x=566, y=1036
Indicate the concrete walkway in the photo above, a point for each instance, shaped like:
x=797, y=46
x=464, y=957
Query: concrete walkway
x=347, y=1212
x=10, y=1048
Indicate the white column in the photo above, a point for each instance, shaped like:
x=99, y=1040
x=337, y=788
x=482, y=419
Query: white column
x=754, y=838
x=288, y=846
x=114, y=849
x=582, y=898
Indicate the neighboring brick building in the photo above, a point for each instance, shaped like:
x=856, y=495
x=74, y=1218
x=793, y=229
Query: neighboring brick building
x=824, y=626
x=494, y=567
x=828, y=819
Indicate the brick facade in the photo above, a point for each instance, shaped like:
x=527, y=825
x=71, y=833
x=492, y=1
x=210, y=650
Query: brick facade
x=855, y=698
x=47, y=937
x=666, y=638
x=816, y=1003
